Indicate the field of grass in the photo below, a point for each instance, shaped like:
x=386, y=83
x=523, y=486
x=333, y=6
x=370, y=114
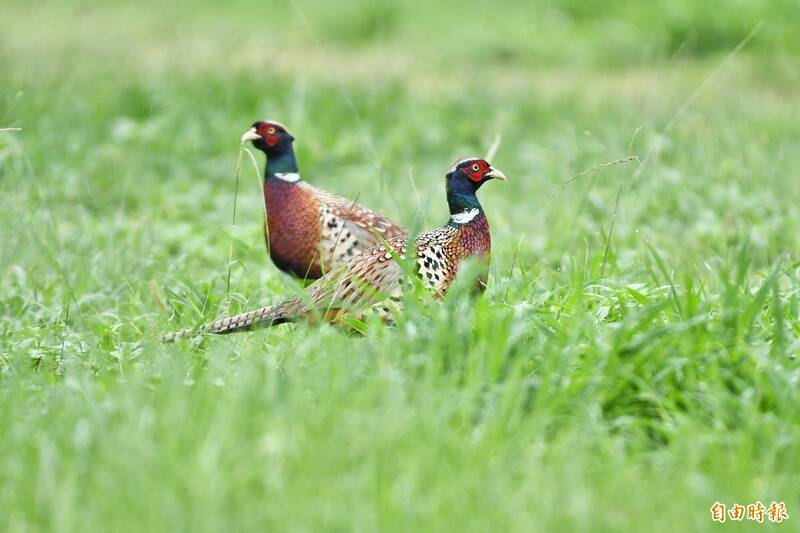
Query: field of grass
x=635, y=358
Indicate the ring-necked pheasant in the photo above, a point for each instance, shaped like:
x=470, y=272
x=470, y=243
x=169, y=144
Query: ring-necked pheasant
x=375, y=274
x=309, y=231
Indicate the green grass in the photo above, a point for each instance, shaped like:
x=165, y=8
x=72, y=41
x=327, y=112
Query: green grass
x=634, y=359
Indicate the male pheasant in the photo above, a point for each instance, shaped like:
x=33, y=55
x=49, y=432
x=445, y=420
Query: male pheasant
x=309, y=231
x=374, y=274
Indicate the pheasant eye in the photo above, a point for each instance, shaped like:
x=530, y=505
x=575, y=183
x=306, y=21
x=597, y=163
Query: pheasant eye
x=475, y=167
x=271, y=131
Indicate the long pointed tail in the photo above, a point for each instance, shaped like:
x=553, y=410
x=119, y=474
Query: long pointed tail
x=260, y=318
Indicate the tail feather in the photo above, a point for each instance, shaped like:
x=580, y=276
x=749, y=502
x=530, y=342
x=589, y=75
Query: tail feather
x=259, y=318
x=339, y=291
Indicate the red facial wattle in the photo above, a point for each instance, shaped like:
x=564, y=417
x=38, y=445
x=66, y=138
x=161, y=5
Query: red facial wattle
x=476, y=170
x=270, y=134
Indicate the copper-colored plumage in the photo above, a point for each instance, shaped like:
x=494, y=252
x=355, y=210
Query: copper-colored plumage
x=292, y=228
x=309, y=232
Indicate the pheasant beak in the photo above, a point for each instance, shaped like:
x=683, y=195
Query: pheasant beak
x=496, y=174
x=250, y=135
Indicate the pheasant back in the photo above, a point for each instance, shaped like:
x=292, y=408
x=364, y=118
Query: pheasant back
x=309, y=231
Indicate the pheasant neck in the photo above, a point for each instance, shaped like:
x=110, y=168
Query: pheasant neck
x=463, y=203
x=281, y=164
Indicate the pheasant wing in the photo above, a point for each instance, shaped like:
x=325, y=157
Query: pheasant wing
x=347, y=228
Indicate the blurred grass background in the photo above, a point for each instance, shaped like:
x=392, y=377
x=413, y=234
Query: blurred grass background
x=634, y=360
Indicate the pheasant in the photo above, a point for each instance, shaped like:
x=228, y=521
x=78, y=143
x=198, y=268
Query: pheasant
x=375, y=274
x=309, y=231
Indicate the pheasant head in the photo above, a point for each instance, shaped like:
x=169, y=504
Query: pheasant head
x=275, y=141
x=268, y=136
x=464, y=179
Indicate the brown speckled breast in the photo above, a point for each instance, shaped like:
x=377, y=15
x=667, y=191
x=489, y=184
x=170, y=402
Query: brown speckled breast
x=293, y=229
x=475, y=239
